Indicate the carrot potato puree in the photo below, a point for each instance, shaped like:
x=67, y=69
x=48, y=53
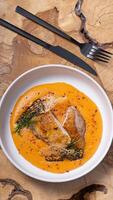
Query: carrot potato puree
x=29, y=146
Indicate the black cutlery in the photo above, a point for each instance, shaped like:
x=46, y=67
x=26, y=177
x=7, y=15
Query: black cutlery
x=90, y=50
x=55, y=49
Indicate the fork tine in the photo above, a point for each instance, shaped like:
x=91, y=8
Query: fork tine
x=99, y=59
x=104, y=51
x=99, y=52
x=103, y=54
x=100, y=56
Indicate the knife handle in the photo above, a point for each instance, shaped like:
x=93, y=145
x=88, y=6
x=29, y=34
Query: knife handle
x=46, y=25
x=58, y=50
x=24, y=34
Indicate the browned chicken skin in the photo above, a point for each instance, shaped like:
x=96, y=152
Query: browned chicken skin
x=57, y=123
x=48, y=128
x=75, y=126
x=63, y=128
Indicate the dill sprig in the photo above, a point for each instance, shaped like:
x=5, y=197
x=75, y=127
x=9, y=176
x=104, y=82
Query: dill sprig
x=25, y=119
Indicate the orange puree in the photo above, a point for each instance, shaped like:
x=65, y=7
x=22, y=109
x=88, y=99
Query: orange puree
x=29, y=146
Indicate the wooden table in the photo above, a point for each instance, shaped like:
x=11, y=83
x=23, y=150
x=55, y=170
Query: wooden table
x=18, y=55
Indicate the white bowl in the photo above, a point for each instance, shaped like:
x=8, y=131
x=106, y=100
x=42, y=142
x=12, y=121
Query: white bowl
x=47, y=74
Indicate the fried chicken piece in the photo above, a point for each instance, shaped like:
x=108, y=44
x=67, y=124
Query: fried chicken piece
x=75, y=126
x=39, y=106
x=49, y=129
x=59, y=153
x=62, y=127
x=66, y=141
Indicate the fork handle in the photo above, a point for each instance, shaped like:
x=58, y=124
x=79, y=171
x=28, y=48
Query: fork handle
x=46, y=25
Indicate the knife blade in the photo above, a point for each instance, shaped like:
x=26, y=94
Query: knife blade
x=62, y=52
x=72, y=58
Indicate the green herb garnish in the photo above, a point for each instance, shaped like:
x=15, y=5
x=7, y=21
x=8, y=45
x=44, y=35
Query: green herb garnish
x=25, y=119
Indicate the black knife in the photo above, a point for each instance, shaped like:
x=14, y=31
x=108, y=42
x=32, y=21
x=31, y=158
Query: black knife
x=55, y=49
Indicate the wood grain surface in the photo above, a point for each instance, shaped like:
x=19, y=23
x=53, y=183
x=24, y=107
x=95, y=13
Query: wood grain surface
x=18, y=55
